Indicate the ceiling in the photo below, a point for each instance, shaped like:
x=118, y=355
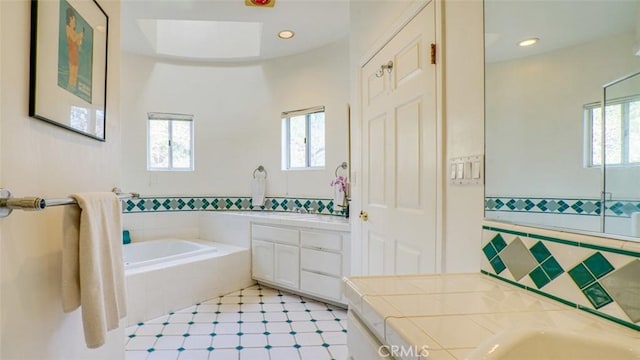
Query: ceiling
x=558, y=24
x=315, y=23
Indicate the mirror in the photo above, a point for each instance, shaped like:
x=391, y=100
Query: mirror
x=543, y=155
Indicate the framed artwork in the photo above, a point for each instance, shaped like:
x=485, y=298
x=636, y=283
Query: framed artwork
x=68, y=65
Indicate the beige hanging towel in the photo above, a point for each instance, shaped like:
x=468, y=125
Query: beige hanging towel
x=92, y=265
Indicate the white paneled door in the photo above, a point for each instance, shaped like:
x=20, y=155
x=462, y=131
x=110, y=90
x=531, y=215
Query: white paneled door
x=399, y=147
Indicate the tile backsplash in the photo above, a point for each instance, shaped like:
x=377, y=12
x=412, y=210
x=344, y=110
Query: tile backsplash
x=225, y=203
x=597, y=275
x=589, y=207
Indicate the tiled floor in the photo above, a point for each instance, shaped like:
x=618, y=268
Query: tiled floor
x=256, y=323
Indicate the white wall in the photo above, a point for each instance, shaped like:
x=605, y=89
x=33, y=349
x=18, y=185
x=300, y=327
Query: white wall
x=461, y=53
x=463, y=57
x=40, y=159
x=237, y=120
x=535, y=135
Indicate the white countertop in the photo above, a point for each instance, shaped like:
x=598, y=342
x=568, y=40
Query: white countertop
x=455, y=313
x=317, y=221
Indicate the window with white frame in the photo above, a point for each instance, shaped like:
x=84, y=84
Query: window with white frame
x=170, y=142
x=621, y=132
x=303, y=139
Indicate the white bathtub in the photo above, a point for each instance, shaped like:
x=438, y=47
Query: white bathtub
x=147, y=253
x=170, y=274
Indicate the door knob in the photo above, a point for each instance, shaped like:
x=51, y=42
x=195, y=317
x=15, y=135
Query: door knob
x=364, y=216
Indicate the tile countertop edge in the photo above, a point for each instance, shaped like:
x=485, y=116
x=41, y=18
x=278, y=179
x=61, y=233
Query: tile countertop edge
x=392, y=319
x=314, y=221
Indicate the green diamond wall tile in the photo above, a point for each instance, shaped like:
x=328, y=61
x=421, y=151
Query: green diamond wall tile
x=498, y=242
x=497, y=265
x=598, y=265
x=540, y=252
x=597, y=295
x=489, y=251
x=539, y=277
x=552, y=268
x=581, y=276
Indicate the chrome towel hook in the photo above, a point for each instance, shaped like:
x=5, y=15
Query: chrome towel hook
x=341, y=166
x=388, y=66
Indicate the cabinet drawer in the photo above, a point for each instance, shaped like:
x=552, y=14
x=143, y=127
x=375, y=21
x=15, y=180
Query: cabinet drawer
x=321, y=240
x=325, y=286
x=321, y=261
x=286, y=236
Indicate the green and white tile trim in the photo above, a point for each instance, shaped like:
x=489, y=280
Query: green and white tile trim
x=588, y=207
x=227, y=203
x=601, y=280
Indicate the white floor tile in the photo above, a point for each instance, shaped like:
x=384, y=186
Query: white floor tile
x=253, y=328
x=180, y=318
x=272, y=307
x=255, y=354
x=329, y=325
x=275, y=316
x=269, y=291
x=314, y=305
x=131, y=330
x=271, y=299
x=281, y=340
x=204, y=317
x=175, y=329
x=334, y=337
x=201, y=329
x=169, y=343
x=141, y=343
x=225, y=341
x=278, y=327
x=282, y=353
x=158, y=320
x=299, y=316
x=322, y=315
x=227, y=328
x=224, y=308
x=251, y=299
x=303, y=326
x=252, y=317
x=338, y=352
x=309, y=339
x=225, y=354
x=251, y=292
x=194, y=355
x=135, y=355
x=253, y=340
x=197, y=342
x=213, y=301
x=163, y=355
x=251, y=307
x=314, y=352
x=294, y=306
x=228, y=317
x=290, y=298
x=150, y=330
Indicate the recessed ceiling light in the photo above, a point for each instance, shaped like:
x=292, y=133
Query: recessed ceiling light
x=286, y=34
x=528, y=42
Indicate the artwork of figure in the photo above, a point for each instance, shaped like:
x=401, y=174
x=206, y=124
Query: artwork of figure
x=75, y=53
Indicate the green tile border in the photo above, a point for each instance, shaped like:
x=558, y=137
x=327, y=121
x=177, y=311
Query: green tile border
x=564, y=242
x=155, y=204
x=565, y=302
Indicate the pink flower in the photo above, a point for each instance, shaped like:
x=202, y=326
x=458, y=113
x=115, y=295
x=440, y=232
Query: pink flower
x=340, y=181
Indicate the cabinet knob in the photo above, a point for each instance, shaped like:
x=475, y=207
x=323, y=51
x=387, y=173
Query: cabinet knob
x=364, y=216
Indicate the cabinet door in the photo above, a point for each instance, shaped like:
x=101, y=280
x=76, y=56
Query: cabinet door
x=287, y=265
x=262, y=259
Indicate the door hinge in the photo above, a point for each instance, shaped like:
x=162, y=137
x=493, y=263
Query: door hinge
x=433, y=54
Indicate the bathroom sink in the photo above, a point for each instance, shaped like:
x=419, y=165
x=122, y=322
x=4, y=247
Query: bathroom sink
x=552, y=344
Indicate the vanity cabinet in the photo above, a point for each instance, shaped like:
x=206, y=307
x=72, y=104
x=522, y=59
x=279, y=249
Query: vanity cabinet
x=307, y=261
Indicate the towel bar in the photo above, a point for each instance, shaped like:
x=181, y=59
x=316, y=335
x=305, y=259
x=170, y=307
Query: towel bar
x=34, y=203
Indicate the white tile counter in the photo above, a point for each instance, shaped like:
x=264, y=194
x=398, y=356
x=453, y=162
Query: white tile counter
x=453, y=314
